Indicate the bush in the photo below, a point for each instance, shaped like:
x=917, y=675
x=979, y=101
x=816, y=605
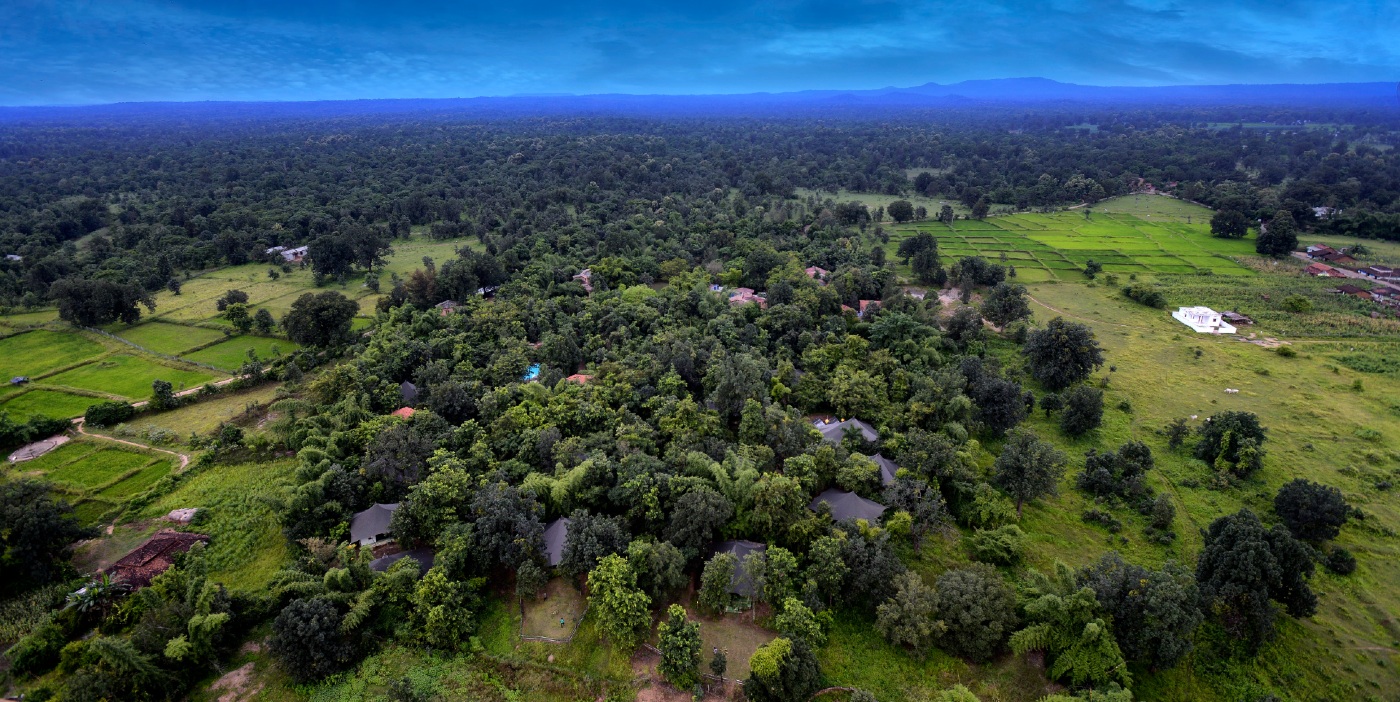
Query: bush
x=106, y=414
x=38, y=651
x=1340, y=561
x=1297, y=304
x=1145, y=294
x=1001, y=546
x=1103, y=519
x=1286, y=351
x=1313, y=512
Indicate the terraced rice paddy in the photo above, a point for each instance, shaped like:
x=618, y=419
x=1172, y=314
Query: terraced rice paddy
x=1045, y=247
x=96, y=477
x=128, y=376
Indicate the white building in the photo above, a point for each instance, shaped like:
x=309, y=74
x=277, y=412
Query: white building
x=1204, y=320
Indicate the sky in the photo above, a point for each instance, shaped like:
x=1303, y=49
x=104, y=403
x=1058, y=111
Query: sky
x=101, y=51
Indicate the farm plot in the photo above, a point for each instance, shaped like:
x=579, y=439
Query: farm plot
x=50, y=403
x=166, y=338
x=1055, y=246
x=67, y=453
x=128, y=376
x=231, y=354
x=97, y=470
x=37, y=352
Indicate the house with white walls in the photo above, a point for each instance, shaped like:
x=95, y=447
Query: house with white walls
x=1204, y=320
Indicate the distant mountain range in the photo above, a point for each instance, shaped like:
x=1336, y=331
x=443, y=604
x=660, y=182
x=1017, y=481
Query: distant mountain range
x=1005, y=91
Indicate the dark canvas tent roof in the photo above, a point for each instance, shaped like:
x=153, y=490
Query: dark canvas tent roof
x=372, y=522
x=848, y=505
x=887, y=468
x=833, y=431
x=554, y=536
x=409, y=392
x=742, y=583
x=424, y=556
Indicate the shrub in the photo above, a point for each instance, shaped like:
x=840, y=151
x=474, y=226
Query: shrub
x=38, y=651
x=1103, y=519
x=1001, y=546
x=1313, y=512
x=1297, y=304
x=106, y=414
x=1083, y=410
x=1145, y=294
x=1340, y=561
x=1286, y=351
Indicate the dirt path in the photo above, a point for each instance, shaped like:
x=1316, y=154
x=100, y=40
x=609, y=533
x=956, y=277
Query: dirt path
x=184, y=458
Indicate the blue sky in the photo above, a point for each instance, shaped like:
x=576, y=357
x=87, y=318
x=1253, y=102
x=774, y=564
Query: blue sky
x=96, y=51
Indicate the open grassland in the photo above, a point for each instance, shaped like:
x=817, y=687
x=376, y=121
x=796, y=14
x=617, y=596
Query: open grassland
x=1321, y=428
x=542, y=616
x=26, y=319
x=166, y=338
x=205, y=415
x=37, y=352
x=50, y=403
x=1046, y=247
x=233, y=353
x=246, y=545
x=128, y=376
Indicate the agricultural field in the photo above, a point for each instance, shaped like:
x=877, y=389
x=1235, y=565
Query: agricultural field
x=170, y=339
x=1056, y=247
x=231, y=354
x=205, y=415
x=128, y=376
x=40, y=351
x=97, y=476
x=50, y=403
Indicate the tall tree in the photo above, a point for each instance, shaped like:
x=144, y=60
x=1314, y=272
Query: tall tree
x=1229, y=223
x=1062, y=354
x=910, y=617
x=1244, y=568
x=1280, y=237
x=1005, y=304
x=95, y=303
x=622, y=607
x=37, y=534
x=320, y=320
x=1028, y=467
x=1313, y=512
x=679, y=640
x=1154, y=612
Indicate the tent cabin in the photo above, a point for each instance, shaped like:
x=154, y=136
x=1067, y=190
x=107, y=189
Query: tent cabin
x=888, y=468
x=848, y=506
x=554, y=537
x=424, y=556
x=742, y=582
x=408, y=392
x=833, y=432
x=371, y=526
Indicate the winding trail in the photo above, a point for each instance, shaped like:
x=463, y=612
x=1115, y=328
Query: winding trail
x=184, y=458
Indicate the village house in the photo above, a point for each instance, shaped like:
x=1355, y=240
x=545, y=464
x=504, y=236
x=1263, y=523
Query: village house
x=1337, y=258
x=293, y=255
x=585, y=277
x=1356, y=292
x=1322, y=270
x=742, y=582
x=888, y=468
x=818, y=274
x=866, y=307
x=847, y=506
x=137, y=568
x=1203, y=319
x=1318, y=250
x=580, y=378
x=371, y=526
x=1236, y=318
x=1378, y=272
x=403, y=413
x=554, y=537
x=832, y=432
x=744, y=296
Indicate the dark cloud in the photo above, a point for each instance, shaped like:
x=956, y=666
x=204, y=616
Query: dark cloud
x=110, y=50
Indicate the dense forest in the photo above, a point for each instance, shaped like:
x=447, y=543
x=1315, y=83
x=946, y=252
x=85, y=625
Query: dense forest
x=136, y=203
x=662, y=419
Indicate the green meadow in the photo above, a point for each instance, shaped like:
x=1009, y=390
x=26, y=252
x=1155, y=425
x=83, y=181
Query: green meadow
x=128, y=376
x=50, y=403
x=37, y=352
x=171, y=339
x=231, y=354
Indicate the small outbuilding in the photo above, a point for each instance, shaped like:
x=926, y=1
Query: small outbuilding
x=848, y=506
x=1204, y=320
x=742, y=583
x=371, y=526
x=888, y=468
x=403, y=413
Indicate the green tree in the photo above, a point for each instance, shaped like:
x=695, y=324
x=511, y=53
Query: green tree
x=782, y=670
x=1154, y=612
x=590, y=538
x=36, y=535
x=94, y=303
x=679, y=640
x=780, y=575
x=1005, y=304
x=1028, y=468
x=1062, y=354
x=1083, y=411
x=1229, y=224
x=978, y=609
x=945, y=214
x=622, y=607
x=1244, y=567
x=901, y=211
x=163, y=395
x=263, y=321
x=778, y=502
x=981, y=208
x=442, y=608
x=659, y=565
x=320, y=320
x=307, y=640
x=1064, y=621
x=797, y=622
x=1313, y=512
x=696, y=518
x=1003, y=545
x=826, y=568
x=237, y=315
x=910, y=617
x=1280, y=237
x=1232, y=441
x=713, y=596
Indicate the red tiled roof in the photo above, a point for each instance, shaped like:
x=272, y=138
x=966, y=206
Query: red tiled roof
x=580, y=378
x=404, y=412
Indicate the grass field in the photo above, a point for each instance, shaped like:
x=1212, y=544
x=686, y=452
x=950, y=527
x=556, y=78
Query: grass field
x=171, y=339
x=52, y=403
x=1315, y=416
x=1045, y=247
x=128, y=376
x=29, y=318
x=735, y=635
x=36, y=352
x=246, y=544
x=206, y=415
x=138, y=483
x=97, y=469
x=231, y=354
x=67, y=453
x=542, y=615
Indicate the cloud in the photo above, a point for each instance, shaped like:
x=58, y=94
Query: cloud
x=117, y=50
